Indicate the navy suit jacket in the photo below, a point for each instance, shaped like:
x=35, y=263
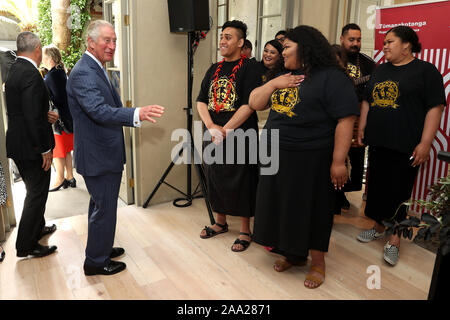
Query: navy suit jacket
x=98, y=118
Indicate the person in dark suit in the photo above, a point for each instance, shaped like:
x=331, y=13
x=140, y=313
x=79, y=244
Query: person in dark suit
x=29, y=141
x=99, y=150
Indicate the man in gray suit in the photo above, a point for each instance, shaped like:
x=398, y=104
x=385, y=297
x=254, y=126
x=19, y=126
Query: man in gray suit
x=99, y=150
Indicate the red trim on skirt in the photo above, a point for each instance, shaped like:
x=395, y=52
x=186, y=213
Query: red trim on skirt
x=63, y=145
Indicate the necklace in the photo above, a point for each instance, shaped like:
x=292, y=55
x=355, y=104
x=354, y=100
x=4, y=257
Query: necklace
x=232, y=78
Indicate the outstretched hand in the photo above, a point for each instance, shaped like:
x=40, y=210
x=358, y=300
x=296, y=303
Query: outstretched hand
x=146, y=113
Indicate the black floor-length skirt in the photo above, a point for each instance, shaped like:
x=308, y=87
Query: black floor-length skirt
x=232, y=186
x=390, y=184
x=294, y=208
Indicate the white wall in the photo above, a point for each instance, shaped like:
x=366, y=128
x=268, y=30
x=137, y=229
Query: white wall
x=159, y=71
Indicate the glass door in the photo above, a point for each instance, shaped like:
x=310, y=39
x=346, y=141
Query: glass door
x=116, y=12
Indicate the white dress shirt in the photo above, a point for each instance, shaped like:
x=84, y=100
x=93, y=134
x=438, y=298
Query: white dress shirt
x=136, y=121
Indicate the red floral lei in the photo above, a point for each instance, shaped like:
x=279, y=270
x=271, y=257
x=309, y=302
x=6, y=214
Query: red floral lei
x=232, y=78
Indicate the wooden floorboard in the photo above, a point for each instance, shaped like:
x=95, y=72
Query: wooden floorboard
x=166, y=259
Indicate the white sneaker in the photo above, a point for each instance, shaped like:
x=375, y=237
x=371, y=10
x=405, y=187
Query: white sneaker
x=391, y=254
x=369, y=235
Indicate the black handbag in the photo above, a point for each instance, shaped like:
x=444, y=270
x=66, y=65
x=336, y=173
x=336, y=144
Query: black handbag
x=58, y=126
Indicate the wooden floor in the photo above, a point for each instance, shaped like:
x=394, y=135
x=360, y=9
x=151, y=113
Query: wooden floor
x=166, y=259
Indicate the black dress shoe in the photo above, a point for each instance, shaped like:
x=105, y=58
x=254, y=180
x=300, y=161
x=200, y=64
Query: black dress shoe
x=39, y=251
x=63, y=185
x=112, y=268
x=116, y=252
x=72, y=183
x=47, y=230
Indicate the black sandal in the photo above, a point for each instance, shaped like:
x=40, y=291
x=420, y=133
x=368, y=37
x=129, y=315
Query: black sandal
x=2, y=254
x=243, y=243
x=211, y=232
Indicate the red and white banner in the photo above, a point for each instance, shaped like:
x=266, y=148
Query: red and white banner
x=432, y=23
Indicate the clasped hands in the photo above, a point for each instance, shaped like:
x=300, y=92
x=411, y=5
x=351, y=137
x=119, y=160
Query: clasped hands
x=218, y=134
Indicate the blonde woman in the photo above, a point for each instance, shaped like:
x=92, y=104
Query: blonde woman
x=56, y=80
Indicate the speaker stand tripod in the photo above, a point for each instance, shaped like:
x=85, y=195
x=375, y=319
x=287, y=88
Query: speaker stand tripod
x=186, y=147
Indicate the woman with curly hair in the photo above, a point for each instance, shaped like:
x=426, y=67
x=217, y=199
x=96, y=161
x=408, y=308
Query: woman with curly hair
x=272, y=63
x=313, y=109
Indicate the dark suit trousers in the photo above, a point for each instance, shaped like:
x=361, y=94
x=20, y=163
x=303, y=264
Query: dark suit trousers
x=37, y=182
x=104, y=192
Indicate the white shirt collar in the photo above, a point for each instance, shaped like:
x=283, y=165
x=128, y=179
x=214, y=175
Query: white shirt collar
x=95, y=59
x=31, y=60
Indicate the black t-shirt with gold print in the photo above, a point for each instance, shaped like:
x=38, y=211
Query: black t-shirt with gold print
x=306, y=116
x=248, y=77
x=359, y=67
x=399, y=98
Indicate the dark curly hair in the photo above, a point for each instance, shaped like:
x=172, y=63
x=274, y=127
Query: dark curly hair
x=279, y=67
x=314, y=51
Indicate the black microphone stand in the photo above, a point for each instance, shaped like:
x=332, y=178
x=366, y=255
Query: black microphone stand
x=186, y=201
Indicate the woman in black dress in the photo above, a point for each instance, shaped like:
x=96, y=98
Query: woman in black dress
x=314, y=117
x=400, y=115
x=55, y=81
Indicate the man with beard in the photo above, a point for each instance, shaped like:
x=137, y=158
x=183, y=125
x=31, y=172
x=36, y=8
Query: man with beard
x=359, y=68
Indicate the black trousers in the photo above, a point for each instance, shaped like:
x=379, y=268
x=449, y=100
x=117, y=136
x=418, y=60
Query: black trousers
x=356, y=155
x=391, y=183
x=37, y=182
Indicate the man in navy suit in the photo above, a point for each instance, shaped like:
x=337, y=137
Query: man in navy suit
x=99, y=150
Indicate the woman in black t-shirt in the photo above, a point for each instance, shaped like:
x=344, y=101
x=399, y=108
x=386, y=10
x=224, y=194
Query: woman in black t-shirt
x=313, y=108
x=272, y=62
x=400, y=115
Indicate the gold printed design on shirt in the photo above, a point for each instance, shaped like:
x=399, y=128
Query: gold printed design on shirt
x=284, y=101
x=353, y=71
x=385, y=95
x=222, y=88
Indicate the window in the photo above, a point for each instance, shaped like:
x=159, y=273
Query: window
x=222, y=17
x=270, y=21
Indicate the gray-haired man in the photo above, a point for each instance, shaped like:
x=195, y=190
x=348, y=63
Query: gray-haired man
x=99, y=150
x=30, y=141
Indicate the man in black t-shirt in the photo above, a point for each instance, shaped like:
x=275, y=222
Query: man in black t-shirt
x=223, y=107
x=359, y=68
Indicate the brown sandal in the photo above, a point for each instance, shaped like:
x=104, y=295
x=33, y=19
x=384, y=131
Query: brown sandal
x=282, y=264
x=316, y=280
